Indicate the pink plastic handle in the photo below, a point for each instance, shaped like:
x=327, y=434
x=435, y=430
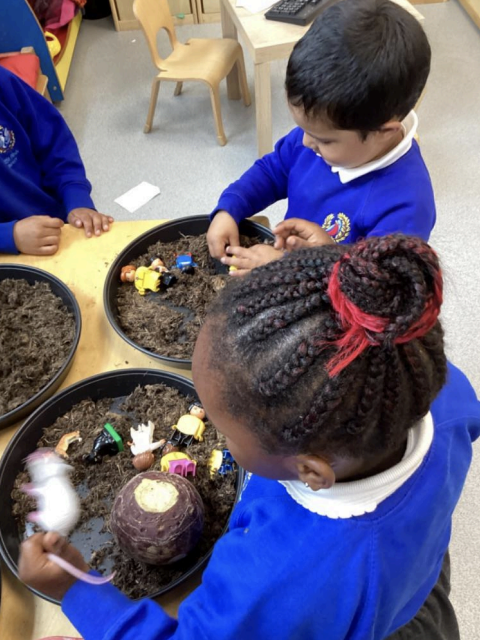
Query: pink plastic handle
x=76, y=573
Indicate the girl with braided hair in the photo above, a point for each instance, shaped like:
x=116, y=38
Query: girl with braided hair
x=326, y=373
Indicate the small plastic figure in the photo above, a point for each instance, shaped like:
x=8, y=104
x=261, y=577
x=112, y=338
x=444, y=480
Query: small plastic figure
x=182, y=467
x=65, y=441
x=167, y=279
x=221, y=462
x=142, y=439
x=190, y=426
x=127, y=274
x=146, y=279
x=184, y=262
x=174, y=456
x=108, y=442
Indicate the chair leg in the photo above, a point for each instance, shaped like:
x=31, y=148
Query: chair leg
x=247, y=101
x=178, y=89
x=153, y=104
x=217, y=115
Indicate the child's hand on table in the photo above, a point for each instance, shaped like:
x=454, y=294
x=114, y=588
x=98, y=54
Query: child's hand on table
x=40, y=573
x=38, y=235
x=246, y=259
x=223, y=231
x=296, y=233
x=92, y=221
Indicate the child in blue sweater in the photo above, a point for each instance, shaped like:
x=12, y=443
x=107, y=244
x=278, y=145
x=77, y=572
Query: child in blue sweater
x=326, y=373
x=352, y=166
x=42, y=177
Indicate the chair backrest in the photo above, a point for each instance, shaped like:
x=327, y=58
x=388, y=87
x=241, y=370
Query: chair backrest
x=154, y=15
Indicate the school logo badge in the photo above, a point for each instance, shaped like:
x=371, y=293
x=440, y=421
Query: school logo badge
x=7, y=139
x=337, y=226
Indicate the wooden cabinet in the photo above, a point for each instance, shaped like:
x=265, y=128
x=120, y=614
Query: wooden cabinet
x=208, y=10
x=183, y=11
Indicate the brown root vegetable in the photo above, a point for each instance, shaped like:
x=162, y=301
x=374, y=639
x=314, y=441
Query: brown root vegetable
x=157, y=517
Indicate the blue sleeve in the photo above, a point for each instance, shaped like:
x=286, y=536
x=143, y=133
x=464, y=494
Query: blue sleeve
x=401, y=200
x=7, y=243
x=250, y=590
x=54, y=147
x=263, y=184
x=457, y=402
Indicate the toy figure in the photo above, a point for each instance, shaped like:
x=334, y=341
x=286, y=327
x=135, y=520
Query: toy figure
x=185, y=263
x=65, y=441
x=167, y=278
x=190, y=426
x=173, y=457
x=146, y=279
x=142, y=446
x=108, y=442
x=220, y=462
x=127, y=274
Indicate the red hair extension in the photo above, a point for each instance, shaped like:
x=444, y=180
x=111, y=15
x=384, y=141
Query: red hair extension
x=355, y=322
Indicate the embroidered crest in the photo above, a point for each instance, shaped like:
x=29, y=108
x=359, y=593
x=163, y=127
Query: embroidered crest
x=337, y=226
x=7, y=139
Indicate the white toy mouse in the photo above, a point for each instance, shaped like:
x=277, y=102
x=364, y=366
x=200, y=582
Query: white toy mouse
x=57, y=502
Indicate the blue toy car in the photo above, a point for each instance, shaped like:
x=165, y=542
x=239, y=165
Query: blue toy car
x=185, y=263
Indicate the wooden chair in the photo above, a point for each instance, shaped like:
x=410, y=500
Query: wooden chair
x=205, y=60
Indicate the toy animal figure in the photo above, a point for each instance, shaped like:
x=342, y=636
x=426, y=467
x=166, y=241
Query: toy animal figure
x=108, y=442
x=190, y=426
x=58, y=503
x=147, y=279
x=185, y=263
x=65, y=441
x=142, y=446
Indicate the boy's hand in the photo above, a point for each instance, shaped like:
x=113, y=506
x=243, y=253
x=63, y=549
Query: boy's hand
x=38, y=235
x=92, y=221
x=296, y=233
x=223, y=231
x=246, y=259
x=40, y=573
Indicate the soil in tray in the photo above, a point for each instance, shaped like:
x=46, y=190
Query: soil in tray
x=36, y=335
x=168, y=322
x=98, y=484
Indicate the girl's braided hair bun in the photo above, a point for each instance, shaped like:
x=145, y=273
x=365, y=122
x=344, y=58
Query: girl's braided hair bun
x=385, y=291
x=334, y=348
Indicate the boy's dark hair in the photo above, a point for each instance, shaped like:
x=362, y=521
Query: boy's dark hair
x=276, y=335
x=362, y=63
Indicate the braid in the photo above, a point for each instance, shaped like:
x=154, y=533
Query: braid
x=334, y=348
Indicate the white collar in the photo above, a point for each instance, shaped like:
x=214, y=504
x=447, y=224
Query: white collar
x=348, y=499
x=410, y=124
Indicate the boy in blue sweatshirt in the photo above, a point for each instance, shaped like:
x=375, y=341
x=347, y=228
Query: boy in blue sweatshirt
x=358, y=438
x=42, y=177
x=352, y=166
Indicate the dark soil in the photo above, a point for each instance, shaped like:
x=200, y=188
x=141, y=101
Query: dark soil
x=168, y=322
x=36, y=335
x=98, y=484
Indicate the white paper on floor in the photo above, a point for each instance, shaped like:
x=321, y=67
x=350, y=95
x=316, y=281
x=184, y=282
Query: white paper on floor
x=138, y=196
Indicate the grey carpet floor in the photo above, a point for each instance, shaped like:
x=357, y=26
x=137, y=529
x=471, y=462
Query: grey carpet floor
x=106, y=105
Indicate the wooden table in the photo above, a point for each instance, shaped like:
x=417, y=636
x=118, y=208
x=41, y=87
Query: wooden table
x=266, y=41
x=82, y=264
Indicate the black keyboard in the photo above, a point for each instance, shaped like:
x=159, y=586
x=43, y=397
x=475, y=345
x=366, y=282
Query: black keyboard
x=300, y=12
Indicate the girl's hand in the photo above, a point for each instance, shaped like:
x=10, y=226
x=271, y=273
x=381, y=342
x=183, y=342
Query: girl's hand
x=296, y=233
x=246, y=259
x=40, y=573
x=37, y=235
x=90, y=220
x=223, y=231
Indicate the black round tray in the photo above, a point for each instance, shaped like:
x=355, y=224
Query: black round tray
x=168, y=232
x=115, y=385
x=32, y=275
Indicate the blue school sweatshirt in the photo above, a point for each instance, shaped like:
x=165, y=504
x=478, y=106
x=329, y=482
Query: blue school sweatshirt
x=285, y=573
x=397, y=198
x=41, y=172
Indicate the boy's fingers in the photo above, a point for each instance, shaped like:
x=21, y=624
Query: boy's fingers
x=216, y=247
x=238, y=252
x=294, y=242
x=52, y=223
x=53, y=542
x=279, y=243
x=48, y=250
